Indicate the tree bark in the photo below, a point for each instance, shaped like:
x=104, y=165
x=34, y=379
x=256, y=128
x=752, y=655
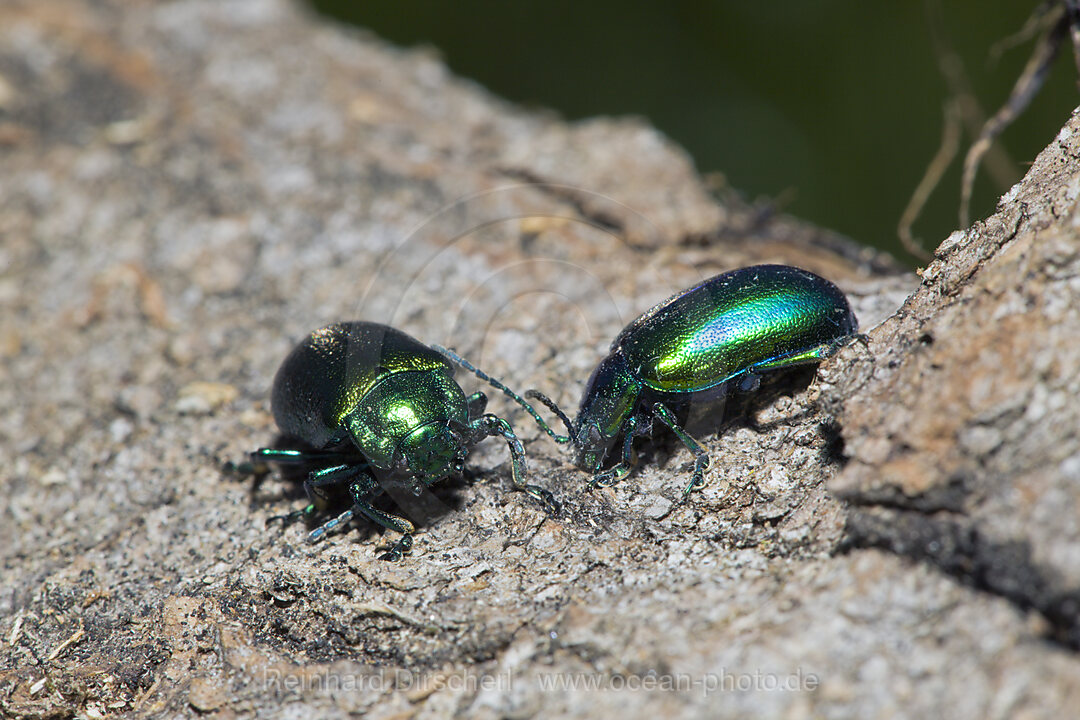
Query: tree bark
x=188, y=188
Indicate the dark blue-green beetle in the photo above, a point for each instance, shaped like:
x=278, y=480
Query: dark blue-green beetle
x=374, y=404
x=698, y=346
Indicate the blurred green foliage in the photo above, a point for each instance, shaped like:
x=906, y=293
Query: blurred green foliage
x=832, y=108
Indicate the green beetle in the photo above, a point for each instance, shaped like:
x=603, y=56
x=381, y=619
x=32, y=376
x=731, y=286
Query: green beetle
x=708, y=341
x=373, y=404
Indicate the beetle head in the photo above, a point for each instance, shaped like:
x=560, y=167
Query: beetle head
x=606, y=406
x=432, y=452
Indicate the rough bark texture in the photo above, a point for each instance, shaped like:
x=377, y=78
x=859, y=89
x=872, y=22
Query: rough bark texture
x=187, y=188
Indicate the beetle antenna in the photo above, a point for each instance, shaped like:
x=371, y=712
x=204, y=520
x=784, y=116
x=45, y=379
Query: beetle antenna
x=513, y=395
x=550, y=405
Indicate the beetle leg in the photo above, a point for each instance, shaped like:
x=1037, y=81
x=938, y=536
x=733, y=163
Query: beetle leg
x=751, y=378
x=609, y=477
x=292, y=456
x=291, y=517
x=697, y=480
x=257, y=465
x=489, y=425
x=332, y=475
x=401, y=548
x=331, y=524
x=805, y=357
x=476, y=403
x=315, y=479
x=360, y=492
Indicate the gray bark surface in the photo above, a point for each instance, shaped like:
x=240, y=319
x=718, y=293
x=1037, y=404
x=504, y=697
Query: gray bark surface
x=188, y=188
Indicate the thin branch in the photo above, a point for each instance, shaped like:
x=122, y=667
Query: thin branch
x=950, y=145
x=1027, y=86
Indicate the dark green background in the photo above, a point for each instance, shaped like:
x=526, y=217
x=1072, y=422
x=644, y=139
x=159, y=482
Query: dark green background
x=834, y=108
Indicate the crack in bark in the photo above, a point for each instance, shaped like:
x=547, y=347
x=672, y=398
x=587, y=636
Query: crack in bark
x=957, y=547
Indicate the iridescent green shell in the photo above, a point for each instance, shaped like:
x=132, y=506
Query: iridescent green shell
x=329, y=373
x=713, y=332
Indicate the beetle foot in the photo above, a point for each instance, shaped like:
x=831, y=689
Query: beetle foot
x=697, y=481
x=551, y=505
x=609, y=478
x=402, y=548
x=290, y=518
x=244, y=469
x=237, y=469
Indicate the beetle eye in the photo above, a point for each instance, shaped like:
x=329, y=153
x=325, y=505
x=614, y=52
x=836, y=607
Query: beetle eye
x=592, y=436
